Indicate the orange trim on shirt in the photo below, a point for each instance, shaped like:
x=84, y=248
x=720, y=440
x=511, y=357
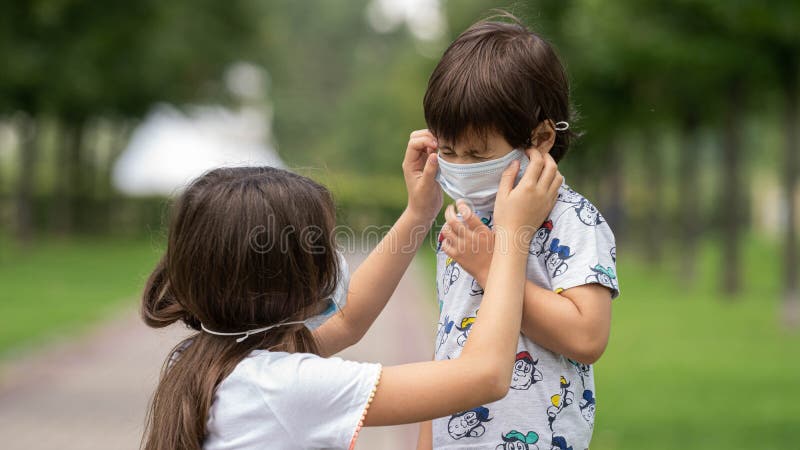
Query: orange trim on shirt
x=366, y=408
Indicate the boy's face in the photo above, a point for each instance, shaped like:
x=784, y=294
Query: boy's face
x=473, y=148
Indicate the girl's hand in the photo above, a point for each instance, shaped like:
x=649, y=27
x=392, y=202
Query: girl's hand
x=520, y=210
x=419, y=169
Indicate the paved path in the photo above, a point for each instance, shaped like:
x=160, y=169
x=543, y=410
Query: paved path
x=92, y=393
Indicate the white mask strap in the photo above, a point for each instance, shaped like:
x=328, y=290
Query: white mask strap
x=562, y=126
x=246, y=334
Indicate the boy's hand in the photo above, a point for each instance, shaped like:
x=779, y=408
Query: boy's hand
x=419, y=169
x=471, y=243
x=468, y=241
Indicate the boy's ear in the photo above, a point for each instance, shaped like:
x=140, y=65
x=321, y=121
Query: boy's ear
x=543, y=137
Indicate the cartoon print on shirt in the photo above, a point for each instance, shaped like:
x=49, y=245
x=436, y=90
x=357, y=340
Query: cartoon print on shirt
x=468, y=423
x=603, y=275
x=587, y=406
x=475, y=288
x=582, y=370
x=444, y=330
x=466, y=325
x=559, y=443
x=588, y=213
x=559, y=401
x=567, y=195
x=613, y=253
x=488, y=220
x=514, y=440
x=525, y=372
x=451, y=274
x=556, y=258
x=540, y=238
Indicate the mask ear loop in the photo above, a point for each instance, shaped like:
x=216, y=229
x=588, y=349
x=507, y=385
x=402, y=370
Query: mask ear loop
x=249, y=333
x=562, y=126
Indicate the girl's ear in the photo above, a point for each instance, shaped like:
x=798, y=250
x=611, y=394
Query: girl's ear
x=543, y=137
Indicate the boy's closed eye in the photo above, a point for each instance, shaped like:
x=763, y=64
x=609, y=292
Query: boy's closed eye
x=472, y=149
x=469, y=155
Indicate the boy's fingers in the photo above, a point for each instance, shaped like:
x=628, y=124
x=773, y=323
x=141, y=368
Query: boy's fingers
x=448, y=234
x=448, y=248
x=508, y=177
x=470, y=219
x=453, y=222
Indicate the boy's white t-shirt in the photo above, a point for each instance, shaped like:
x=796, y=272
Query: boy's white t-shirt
x=552, y=401
x=278, y=400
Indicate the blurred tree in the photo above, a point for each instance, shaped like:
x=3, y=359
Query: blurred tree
x=78, y=59
x=777, y=35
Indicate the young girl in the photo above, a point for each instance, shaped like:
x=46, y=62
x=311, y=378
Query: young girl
x=250, y=264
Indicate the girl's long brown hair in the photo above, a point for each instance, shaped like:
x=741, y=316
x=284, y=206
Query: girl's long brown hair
x=247, y=248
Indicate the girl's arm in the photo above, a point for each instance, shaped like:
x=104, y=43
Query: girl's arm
x=377, y=277
x=482, y=373
x=575, y=322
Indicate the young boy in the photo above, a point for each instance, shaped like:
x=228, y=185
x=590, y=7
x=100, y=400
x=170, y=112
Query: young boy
x=498, y=93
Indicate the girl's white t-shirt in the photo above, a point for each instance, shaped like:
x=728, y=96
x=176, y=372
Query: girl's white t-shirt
x=278, y=400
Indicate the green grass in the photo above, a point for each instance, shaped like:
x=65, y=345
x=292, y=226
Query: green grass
x=59, y=287
x=688, y=369
x=685, y=369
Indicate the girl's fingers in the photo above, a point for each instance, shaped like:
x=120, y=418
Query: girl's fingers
x=417, y=133
x=555, y=185
x=429, y=171
x=508, y=177
x=534, y=170
x=548, y=172
x=422, y=142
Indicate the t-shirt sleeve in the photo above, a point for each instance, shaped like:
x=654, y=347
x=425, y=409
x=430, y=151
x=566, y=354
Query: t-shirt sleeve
x=322, y=401
x=581, y=250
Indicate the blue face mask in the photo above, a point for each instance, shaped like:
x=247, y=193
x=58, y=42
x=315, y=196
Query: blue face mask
x=335, y=303
x=339, y=299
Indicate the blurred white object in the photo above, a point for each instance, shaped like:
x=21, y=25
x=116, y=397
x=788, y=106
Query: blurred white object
x=424, y=18
x=170, y=148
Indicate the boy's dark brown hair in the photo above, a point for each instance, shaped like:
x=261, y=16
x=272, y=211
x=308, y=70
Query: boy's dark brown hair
x=498, y=77
x=247, y=248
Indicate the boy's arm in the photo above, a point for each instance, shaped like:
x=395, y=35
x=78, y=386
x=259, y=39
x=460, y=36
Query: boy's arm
x=575, y=322
x=425, y=441
x=376, y=278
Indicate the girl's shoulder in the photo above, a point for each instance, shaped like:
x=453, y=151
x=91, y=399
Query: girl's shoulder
x=299, y=369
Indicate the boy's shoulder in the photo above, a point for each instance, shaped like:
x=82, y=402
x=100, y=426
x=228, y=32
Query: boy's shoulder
x=573, y=208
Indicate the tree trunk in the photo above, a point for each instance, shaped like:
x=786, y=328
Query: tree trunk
x=655, y=231
x=689, y=219
x=110, y=200
x=69, y=176
x=791, y=295
x=732, y=192
x=613, y=199
x=28, y=151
